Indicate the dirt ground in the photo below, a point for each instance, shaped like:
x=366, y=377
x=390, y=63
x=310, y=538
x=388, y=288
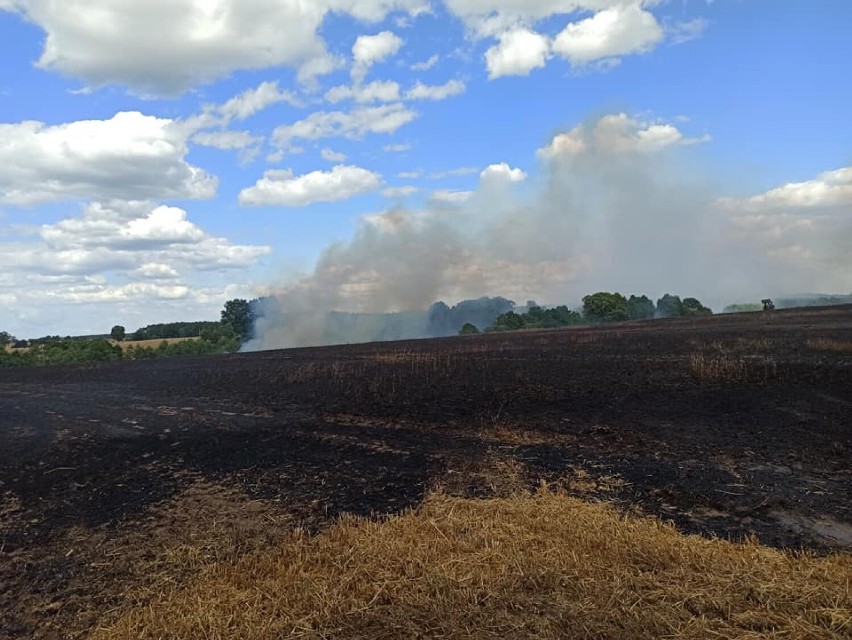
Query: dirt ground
x=119, y=480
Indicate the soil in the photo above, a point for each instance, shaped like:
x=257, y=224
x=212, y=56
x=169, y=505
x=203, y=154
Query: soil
x=121, y=480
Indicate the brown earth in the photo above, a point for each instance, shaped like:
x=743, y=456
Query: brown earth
x=117, y=481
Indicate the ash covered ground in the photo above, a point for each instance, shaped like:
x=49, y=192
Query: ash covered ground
x=117, y=480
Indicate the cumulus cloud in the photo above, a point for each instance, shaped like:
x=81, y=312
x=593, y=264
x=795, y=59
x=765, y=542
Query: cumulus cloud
x=396, y=148
x=161, y=227
x=617, y=31
x=353, y=125
x=251, y=101
x=130, y=156
x=140, y=239
x=617, y=134
x=503, y=173
x=197, y=41
x=616, y=28
x=421, y=91
x=281, y=187
x=518, y=52
x=156, y=271
x=377, y=91
x=369, y=50
x=332, y=156
x=226, y=139
x=426, y=64
x=829, y=189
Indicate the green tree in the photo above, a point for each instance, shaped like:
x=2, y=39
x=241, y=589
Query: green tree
x=117, y=333
x=640, y=308
x=6, y=338
x=468, y=329
x=605, y=307
x=669, y=306
x=239, y=316
x=692, y=307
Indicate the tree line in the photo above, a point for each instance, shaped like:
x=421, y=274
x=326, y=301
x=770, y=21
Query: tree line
x=600, y=307
x=224, y=336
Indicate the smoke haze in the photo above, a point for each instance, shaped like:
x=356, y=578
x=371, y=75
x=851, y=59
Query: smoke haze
x=616, y=208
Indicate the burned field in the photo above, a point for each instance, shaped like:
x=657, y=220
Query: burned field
x=119, y=481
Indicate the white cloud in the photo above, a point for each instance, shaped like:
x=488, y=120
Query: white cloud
x=353, y=125
x=488, y=18
x=142, y=239
x=502, y=173
x=426, y=64
x=281, y=187
x=251, y=101
x=828, y=189
x=613, y=32
x=421, y=91
x=399, y=192
x=378, y=91
x=369, y=50
x=156, y=271
x=396, y=148
x=332, y=156
x=161, y=227
x=409, y=175
x=615, y=134
x=518, y=52
x=616, y=28
x=686, y=31
x=227, y=140
x=451, y=196
x=195, y=41
x=130, y=156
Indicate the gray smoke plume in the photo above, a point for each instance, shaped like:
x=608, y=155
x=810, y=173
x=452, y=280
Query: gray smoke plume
x=621, y=206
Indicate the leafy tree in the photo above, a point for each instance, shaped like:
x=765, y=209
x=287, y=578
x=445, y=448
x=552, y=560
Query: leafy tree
x=6, y=338
x=692, y=307
x=172, y=330
x=605, y=307
x=468, y=329
x=640, y=308
x=239, y=316
x=537, y=318
x=117, y=333
x=509, y=321
x=669, y=306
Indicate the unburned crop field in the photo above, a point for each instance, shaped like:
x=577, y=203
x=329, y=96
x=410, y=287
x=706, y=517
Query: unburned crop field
x=122, y=481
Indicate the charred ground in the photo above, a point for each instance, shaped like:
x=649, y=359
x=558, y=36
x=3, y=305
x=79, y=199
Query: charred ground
x=111, y=476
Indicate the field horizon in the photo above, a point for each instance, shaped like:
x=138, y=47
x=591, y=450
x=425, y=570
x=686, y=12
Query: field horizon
x=127, y=489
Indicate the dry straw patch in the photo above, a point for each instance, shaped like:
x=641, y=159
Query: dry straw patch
x=730, y=368
x=544, y=566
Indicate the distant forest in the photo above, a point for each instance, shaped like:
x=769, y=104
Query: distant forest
x=240, y=319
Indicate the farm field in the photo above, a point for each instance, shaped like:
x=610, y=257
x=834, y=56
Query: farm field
x=121, y=483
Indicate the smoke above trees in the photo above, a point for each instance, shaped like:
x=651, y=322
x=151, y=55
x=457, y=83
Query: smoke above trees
x=618, y=205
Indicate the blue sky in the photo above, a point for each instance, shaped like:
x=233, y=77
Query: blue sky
x=157, y=159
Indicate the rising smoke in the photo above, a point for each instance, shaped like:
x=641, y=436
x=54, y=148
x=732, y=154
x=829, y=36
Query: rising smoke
x=617, y=208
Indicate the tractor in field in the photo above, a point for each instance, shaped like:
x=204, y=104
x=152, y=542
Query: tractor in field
x=768, y=305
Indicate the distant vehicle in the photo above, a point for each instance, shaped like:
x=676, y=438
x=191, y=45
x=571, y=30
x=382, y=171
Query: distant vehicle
x=768, y=305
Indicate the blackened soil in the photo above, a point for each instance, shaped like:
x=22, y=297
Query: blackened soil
x=728, y=426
